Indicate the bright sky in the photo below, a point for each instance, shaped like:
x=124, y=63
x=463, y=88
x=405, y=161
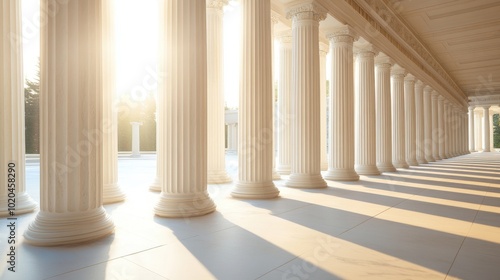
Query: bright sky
x=136, y=37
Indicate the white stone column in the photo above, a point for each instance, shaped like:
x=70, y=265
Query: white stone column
x=12, y=140
x=284, y=96
x=274, y=21
x=323, y=51
x=341, y=155
x=255, y=121
x=419, y=122
x=410, y=122
x=71, y=126
x=398, y=117
x=449, y=128
x=456, y=133
x=492, y=141
x=306, y=131
x=136, y=139
x=383, y=126
x=111, y=190
x=183, y=102
x=478, y=131
x=441, y=128
x=216, y=173
x=446, y=125
x=365, y=143
x=486, y=129
x=435, y=128
x=428, y=124
x=472, y=144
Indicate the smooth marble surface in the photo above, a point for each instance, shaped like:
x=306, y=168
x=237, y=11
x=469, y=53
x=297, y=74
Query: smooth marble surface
x=433, y=221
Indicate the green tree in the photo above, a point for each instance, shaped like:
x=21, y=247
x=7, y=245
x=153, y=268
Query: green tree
x=31, y=116
x=496, y=131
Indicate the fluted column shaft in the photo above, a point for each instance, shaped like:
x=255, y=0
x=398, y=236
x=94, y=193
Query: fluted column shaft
x=456, y=133
x=398, y=117
x=486, y=129
x=435, y=128
x=478, y=131
x=183, y=100
x=445, y=129
x=111, y=190
x=323, y=51
x=428, y=124
x=410, y=122
x=341, y=113
x=419, y=122
x=383, y=114
x=449, y=130
x=472, y=143
x=284, y=109
x=71, y=114
x=12, y=138
x=274, y=21
x=306, y=131
x=441, y=126
x=255, y=121
x=216, y=173
x=365, y=154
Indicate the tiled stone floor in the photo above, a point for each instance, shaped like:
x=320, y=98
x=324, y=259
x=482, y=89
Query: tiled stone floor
x=434, y=221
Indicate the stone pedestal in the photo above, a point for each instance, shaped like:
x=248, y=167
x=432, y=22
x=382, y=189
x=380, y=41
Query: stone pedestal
x=12, y=144
x=71, y=126
x=183, y=101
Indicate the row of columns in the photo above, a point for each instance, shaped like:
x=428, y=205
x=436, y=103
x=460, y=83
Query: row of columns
x=480, y=134
x=73, y=109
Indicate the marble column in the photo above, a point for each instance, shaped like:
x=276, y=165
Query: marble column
x=255, y=121
x=306, y=131
x=111, y=190
x=472, y=144
x=323, y=51
x=486, y=129
x=136, y=139
x=341, y=103
x=441, y=128
x=398, y=117
x=435, y=128
x=71, y=126
x=183, y=102
x=410, y=122
x=428, y=124
x=274, y=21
x=445, y=129
x=156, y=185
x=492, y=141
x=365, y=143
x=449, y=128
x=284, y=96
x=383, y=125
x=12, y=140
x=478, y=130
x=216, y=173
x=419, y=122
x=455, y=128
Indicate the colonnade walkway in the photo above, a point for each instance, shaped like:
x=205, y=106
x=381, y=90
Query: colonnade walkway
x=434, y=221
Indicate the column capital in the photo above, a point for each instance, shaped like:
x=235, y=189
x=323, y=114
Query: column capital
x=274, y=18
x=365, y=50
x=323, y=49
x=409, y=78
x=419, y=84
x=309, y=10
x=284, y=37
x=398, y=71
x=382, y=60
x=342, y=34
x=216, y=4
x=440, y=98
x=486, y=107
x=434, y=94
x=427, y=89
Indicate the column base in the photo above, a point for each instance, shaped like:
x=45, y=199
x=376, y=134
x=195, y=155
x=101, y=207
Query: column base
x=306, y=181
x=251, y=190
x=24, y=204
x=367, y=170
x=449, y=156
x=437, y=158
x=412, y=162
x=401, y=164
x=112, y=193
x=184, y=205
x=283, y=169
x=386, y=167
x=218, y=177
x=486, y=150
x=156, y=185
x=276, y=175
x=52, y=229
x=430, y=159
x=421, y=161
x=341, y=175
